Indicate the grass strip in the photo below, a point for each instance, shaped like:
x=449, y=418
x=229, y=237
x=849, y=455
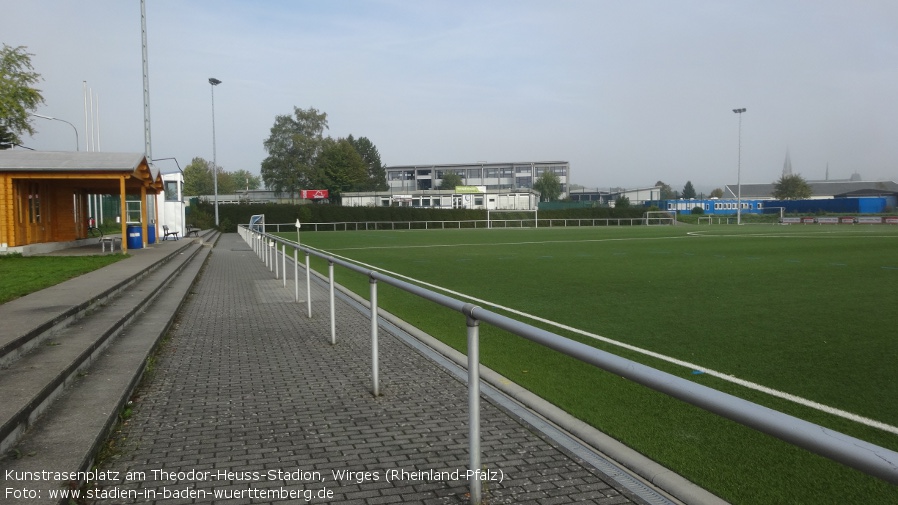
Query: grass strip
x=21, y=275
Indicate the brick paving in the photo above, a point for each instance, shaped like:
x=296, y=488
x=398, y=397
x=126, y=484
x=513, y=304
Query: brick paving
x=249, y=393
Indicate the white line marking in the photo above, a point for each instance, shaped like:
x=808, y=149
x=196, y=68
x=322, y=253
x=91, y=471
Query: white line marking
x=491, y=244
x=720, y=375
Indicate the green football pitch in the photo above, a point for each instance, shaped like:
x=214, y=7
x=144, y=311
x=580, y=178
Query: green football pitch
x=798, y=318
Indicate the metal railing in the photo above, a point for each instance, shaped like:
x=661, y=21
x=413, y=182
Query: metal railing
x=454, y=225
x=868, y=458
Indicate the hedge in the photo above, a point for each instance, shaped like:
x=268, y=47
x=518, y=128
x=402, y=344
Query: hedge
x=200, y=214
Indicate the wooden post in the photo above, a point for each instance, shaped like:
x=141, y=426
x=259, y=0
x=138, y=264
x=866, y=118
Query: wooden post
x=123, y=218
x=144, y=214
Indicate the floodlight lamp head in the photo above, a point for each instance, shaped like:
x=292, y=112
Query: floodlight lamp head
x=213, y=81
x=739, y=111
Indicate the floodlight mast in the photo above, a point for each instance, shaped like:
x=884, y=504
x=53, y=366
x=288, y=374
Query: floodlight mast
x=214, y=82
x=739, y=171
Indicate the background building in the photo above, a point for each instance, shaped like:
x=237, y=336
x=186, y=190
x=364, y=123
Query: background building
x=462, y=197
x=637, y=196
x=492, y=176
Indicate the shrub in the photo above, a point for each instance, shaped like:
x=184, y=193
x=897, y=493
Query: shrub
x=698, y=210
x=226, y=226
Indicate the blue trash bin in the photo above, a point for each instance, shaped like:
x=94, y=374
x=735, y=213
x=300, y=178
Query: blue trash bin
x=151, y=234
x=135, y=236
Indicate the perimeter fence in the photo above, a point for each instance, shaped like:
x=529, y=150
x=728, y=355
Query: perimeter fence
x=453, y=225
x=869, y=458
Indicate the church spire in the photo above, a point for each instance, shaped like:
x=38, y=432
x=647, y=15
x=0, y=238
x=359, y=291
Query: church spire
x=787, y=165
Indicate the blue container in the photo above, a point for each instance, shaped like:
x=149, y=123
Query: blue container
x=135, y=236
x=151, y=234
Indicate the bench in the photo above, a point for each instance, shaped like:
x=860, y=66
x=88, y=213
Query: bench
x=192, y=230
x=167, y=233
x=111, y=240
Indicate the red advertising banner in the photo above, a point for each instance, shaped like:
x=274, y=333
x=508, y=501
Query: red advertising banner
x=313, y=194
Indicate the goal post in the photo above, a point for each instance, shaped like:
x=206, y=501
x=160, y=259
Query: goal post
x=775, y=210
x=504, y=216
x=659, y=218
x=257, y=223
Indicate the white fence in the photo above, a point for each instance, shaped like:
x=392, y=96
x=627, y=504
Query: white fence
x=453, y=225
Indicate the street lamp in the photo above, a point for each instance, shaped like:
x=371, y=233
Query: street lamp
x=64, y=121
x=214, y=82
x=739, y=171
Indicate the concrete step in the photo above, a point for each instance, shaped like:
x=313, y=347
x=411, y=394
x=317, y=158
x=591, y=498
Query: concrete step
x=67, y=437
x=31, y=319
x=30, y=383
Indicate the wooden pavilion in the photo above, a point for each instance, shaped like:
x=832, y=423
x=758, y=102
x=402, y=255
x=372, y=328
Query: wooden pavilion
x=43, y=195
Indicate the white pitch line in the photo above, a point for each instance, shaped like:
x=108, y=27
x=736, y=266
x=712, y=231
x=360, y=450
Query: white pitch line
x=490, y=244
x=720, y=375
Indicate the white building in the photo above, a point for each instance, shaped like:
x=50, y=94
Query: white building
x=170, y=204
x=492, y=176
x=462, y=197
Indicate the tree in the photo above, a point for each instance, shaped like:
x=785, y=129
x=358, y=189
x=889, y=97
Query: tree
x=18, y=95
x=377, y=174
x=227, y=184
x=450, y=180
x=243, y=179
x=716, y=193
x=198, y=178
x=621, y=202
x=293, y=148
x=791, y=187
x=667, y=193
x=688, y=190
x=340, y=168
x=549, y=186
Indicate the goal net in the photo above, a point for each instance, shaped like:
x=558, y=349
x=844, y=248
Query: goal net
x=658, y=218
x=257, y=223
x=511, y=218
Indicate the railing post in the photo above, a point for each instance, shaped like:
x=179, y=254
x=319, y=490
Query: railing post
x=284, y=265
x=295, y=275
x=276, y=261
x=375, y=380
x=473, y=403
x=330, y=274
x=308, y=286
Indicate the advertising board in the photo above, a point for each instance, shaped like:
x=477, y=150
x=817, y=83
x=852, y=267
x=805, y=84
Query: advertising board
x=313, y=194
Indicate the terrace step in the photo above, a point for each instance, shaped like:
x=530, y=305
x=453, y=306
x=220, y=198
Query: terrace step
x=59, y=400
x=31, y=319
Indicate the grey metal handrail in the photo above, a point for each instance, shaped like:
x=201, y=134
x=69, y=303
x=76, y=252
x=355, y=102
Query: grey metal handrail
x=455, y=224
x=869, y=458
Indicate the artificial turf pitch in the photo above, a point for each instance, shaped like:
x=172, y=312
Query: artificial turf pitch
x=807, y=310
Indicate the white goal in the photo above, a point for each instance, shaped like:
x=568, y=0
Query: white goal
x=512, y=218
x=658, y=218
x=257, y=223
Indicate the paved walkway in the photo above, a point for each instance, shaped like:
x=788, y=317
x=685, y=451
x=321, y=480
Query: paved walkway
x=249, y=402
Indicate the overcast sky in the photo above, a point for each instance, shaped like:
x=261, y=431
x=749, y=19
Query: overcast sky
x=628, y=92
